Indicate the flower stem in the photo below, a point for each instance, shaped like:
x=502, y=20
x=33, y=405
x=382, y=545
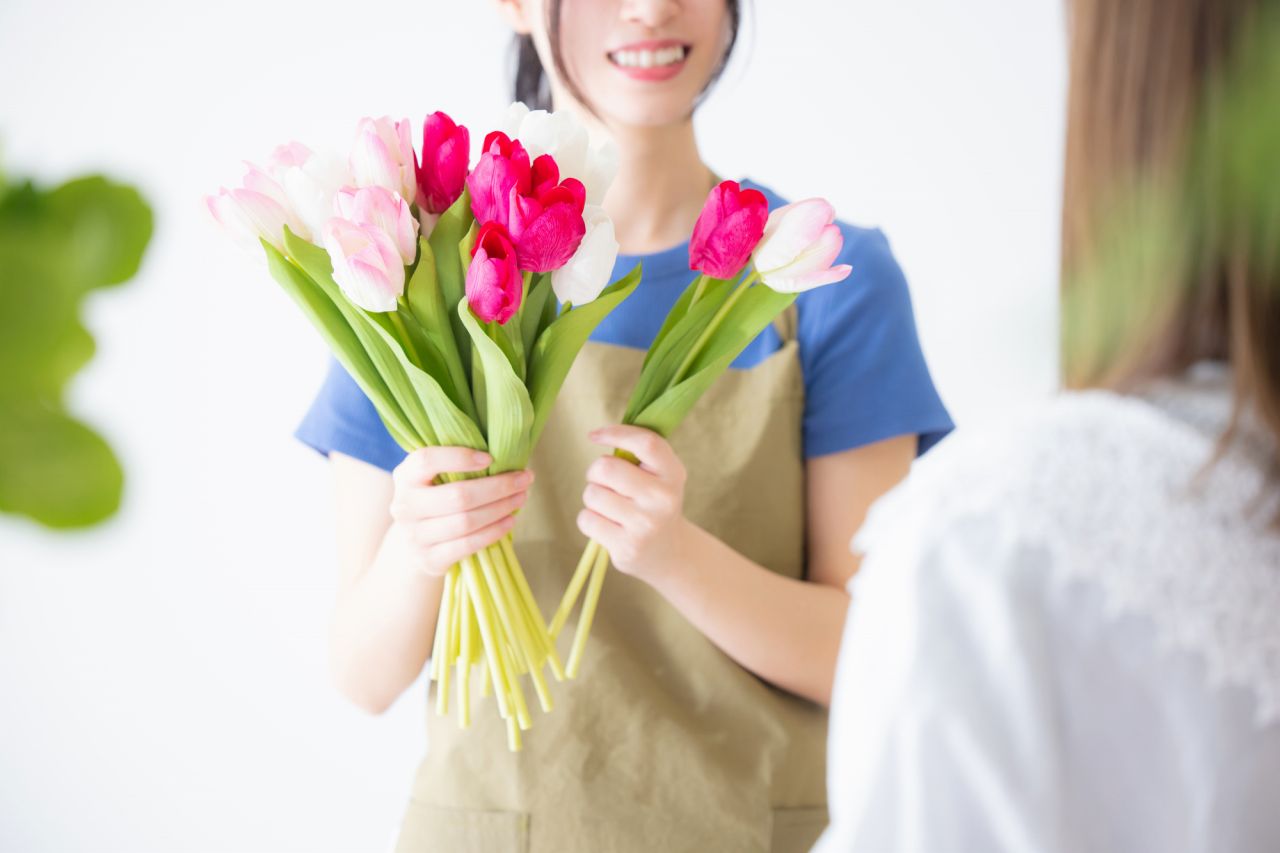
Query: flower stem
x=588, y=614
x=716, y=320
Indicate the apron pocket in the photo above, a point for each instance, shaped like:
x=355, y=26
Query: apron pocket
x=797, y=830
x=429, y=828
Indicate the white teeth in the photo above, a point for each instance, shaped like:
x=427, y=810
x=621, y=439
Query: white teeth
x=648, y=58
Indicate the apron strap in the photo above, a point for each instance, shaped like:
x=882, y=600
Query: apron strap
x=786, y=323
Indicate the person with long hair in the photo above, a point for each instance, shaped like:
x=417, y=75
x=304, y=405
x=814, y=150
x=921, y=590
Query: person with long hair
x=1064, y=635
x=698, y=722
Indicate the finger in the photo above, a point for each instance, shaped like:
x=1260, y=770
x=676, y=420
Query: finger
x=595, y=526
x=456, y=550
x=622, y=477
x=613, y=506
x=425, y=464
x=464, y=495
x=653, y=451
x=449, y=527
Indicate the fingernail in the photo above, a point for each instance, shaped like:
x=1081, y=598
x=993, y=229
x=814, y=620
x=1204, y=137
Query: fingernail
x=480, y=457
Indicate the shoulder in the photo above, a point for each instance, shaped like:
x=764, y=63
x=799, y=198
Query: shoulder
x=1045, y=467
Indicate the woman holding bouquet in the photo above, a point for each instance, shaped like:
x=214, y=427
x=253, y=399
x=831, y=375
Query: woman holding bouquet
x=699, y=720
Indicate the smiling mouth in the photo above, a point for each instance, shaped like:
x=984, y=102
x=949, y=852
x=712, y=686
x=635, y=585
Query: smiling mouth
x=660, y=58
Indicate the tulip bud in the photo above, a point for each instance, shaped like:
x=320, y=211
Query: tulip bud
x=502, y=168
x=257, y=210
x=384, y=210
x=727, y=230
x=799, y=243
x=366, y=264
x=309, y=181
x=494, y=283
x=383, y=157
x=442, y=171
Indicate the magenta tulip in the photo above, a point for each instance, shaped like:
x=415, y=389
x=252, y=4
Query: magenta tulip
x=494, y=284
x=503, y=166
x=442, y=170
x=546, y=224
x=728, y=229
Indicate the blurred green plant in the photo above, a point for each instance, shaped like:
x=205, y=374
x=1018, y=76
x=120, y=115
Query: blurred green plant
x=56, y=246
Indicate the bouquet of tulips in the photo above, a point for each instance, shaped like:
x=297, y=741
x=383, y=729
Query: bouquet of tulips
x=457, y=298
x=751, y=263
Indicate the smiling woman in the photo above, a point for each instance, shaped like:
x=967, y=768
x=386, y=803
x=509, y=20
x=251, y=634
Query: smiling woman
x=698, y=721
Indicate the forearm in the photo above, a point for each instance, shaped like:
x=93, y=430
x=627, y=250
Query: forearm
x=786, y=631
x=383, y=626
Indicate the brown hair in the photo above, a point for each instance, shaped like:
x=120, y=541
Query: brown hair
x=1149, y=146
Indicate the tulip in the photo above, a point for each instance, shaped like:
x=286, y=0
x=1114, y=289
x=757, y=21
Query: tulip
x=547, y=225
x=594, y=162
x=257, y=210
x=727, y=230
x=443, y=167
x=384, y=210
x=584, y=276
x=494, y=283
x=503, y=167
x=366, y=264
x=383, y=157
x=309, y=181
x=800, y=241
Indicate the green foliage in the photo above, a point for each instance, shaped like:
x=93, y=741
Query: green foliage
x=55, y=247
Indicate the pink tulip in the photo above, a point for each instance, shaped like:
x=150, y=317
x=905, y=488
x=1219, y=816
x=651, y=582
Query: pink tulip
x=494, y=284
x=503, y=166
x=443, y=167
x=380, y=208
x=366, y=264
x=799, y=244
x=730, y=225
x=259, y=209
x=383, y=157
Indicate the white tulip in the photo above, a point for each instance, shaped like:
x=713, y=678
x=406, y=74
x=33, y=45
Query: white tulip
x=585, y=275
x=560, y=134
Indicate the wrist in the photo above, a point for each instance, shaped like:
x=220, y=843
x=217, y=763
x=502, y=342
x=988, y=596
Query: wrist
x=677, y=555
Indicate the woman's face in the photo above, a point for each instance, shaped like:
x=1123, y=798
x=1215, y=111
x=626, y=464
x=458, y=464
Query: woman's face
x=636, y=62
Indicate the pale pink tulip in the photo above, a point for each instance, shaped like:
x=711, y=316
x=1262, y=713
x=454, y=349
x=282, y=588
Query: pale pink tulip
x=383, y=156
x=366, y=264
x=380, y=208
x=799, y=244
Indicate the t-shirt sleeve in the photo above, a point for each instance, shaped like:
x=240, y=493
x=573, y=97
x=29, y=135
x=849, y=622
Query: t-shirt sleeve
x=342, y=418
x=865, y=375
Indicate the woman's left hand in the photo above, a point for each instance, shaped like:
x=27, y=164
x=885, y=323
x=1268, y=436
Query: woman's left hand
x=636, y=511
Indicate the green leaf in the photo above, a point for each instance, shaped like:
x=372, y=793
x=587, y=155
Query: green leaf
x=55, y=469
x=533, y=311
x=557, y=347
x=450, y=230
x=745, y=320
x=108, y=226
x=507, y=406
x=665, y=358
x=346, y=346
x=435, y=322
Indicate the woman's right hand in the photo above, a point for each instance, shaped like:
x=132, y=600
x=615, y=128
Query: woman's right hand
x=447, y=522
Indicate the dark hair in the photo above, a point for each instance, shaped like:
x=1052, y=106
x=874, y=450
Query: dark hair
x=533, y=87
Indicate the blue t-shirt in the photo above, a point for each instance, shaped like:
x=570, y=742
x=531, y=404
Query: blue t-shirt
x=865, y=377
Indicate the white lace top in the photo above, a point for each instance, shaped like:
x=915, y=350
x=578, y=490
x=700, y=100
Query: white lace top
x=1066, y=637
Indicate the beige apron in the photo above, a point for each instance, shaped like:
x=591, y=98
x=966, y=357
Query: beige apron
x=663, y=743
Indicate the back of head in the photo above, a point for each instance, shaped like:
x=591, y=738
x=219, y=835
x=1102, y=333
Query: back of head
x=1171, y=210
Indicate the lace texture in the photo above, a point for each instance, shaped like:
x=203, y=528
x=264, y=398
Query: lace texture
x=1121, y=492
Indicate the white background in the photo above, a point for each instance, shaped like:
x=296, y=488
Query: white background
x=162, y=679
